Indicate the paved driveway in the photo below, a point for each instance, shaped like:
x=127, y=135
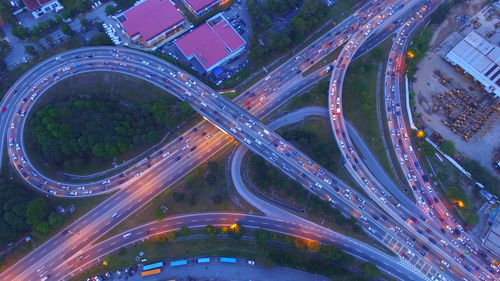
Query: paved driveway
x=233, y=272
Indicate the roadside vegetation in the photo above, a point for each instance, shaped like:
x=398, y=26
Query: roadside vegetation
x=86, y=122
x=28, y=220
x=269, y=249
x=273, y=183
x=359, y=99
x=272, y=39
x=202, y=190
x=419, y=47
x=316, y=96
x=460, y=194
x=76, y=132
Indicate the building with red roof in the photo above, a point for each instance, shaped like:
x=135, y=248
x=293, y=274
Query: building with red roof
x=212, y=43
x=199, y=7
x=151, y=21
x=40, y=7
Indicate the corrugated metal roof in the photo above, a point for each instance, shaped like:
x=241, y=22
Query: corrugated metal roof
x=477, y=56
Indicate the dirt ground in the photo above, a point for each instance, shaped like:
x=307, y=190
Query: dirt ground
x=450, y=24
x=480, y=147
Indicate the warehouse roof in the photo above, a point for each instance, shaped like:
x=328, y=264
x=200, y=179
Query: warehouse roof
x=210, y=42
x=150, y=18
x=480, y=58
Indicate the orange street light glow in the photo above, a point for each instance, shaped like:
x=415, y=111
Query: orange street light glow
x=410, y=54
x=460, y=203
x=421, y=134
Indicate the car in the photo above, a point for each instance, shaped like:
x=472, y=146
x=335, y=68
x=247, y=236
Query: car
x=138, y=174
x=250, y=262
x=114, y=215
x=105, y=182
x=445, y=263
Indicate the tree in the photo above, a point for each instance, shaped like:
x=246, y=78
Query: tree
x=4, y=48
x=236, y=231
x=122, y=251
x=21, y=32
x=211, y=231
x=217, y=199
x=184, y=231
x=30, y=50
x=85, y=22
x=370, y=269
x=36, y=211
x=428, y=149
x=448, y=147
x=331, y=252
x=66, y=29
x=212, y=166
x=55, y=220
x=210, y=178
x=262, y=236
x=178, y=196
x=110, y=10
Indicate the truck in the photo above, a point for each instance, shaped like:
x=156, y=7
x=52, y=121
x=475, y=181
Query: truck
x=178, y=263
x=151, y=272
x=227, y=260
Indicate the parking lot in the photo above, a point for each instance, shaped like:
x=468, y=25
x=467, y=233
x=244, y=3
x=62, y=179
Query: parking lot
x=438, y=101
x=239, y=19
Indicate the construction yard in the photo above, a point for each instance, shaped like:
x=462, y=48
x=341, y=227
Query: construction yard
x=451, y=102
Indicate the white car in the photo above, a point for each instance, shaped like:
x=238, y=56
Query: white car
x=105, y=182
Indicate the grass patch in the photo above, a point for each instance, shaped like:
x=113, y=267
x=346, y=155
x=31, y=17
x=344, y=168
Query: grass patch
x=456, y=186
x=316, y=96
x=359, y=99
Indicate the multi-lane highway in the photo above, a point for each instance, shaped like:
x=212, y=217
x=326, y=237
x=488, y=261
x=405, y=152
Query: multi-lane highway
x=110, y=212
x=446, y=251
x=88, y=257
x=425, y=195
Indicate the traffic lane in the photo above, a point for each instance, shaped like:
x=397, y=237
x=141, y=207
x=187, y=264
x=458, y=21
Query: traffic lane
x=89, y=258
x=267, y=208
x=407, y=143
x=374, y=166
x=339, y=77
x=98, y=230
x=96, y=54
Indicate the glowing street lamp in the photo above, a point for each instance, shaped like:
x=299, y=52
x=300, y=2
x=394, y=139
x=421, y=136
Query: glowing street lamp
x=421, y=134
x=410, y=54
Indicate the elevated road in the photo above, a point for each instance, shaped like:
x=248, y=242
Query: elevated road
x=223, y=114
